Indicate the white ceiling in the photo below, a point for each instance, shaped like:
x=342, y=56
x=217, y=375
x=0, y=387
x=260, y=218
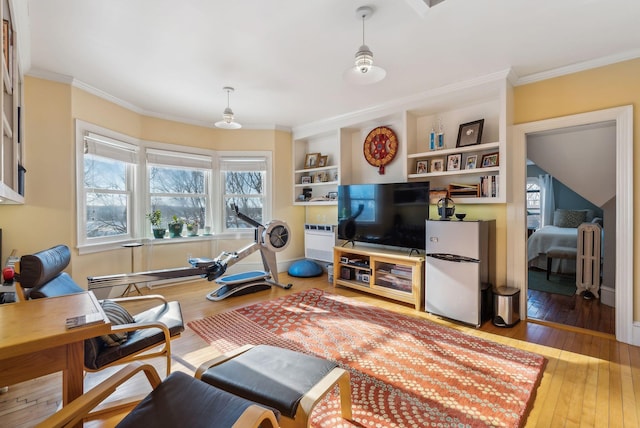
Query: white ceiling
x=286, y=57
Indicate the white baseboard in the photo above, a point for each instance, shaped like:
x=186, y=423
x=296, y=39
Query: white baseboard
x=608, y=296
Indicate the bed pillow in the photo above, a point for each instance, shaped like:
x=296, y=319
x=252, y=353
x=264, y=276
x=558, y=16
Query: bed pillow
x=569, y=218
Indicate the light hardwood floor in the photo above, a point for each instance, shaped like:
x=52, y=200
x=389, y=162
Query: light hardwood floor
x=589, y=380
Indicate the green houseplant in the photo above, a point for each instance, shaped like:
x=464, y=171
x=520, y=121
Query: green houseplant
x=175, y=227
x=155, y=217
x=192, y=227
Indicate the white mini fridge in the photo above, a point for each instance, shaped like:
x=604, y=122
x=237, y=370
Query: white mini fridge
x=457, y=268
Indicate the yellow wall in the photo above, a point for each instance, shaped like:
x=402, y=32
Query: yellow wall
x=48, y=216
x=612, y=86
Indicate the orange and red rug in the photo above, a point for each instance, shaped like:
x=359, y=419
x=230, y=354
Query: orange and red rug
x=405, y=372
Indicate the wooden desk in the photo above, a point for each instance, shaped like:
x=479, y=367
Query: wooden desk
x=35, y=342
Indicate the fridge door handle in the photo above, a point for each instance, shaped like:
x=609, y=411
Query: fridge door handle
x=453, y=258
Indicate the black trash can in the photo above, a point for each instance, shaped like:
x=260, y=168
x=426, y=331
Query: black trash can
x=506, y=306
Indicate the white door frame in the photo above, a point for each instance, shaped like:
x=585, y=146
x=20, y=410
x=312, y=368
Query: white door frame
x=516, y=209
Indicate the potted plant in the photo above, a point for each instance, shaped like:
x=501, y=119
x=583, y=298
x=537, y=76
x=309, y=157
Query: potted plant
x=192, y=227
x=175, y=227
x=155, y=218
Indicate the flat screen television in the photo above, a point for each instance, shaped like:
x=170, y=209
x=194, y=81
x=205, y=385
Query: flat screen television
x=390, y=214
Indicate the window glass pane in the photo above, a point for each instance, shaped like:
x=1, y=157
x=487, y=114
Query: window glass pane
x=184, y=207
x=103, y=173
x=244, y=189
x=176, y=180
x=106, y=214
x=244, y=183
x=249, y=206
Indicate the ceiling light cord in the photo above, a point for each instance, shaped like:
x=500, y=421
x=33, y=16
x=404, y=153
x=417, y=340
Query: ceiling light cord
x=364, y=56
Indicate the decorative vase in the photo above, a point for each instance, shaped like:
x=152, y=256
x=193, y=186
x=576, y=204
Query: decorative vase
x=175, y=230
x=158, y=233
x=192, y=230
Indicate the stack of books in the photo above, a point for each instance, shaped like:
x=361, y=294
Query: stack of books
x=489, y=186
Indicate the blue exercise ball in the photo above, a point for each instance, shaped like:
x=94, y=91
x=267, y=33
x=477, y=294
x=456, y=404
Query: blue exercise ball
x=305, y=269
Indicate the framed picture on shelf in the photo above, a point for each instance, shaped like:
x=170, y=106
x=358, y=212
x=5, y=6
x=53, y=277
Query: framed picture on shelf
x=320, y=177
x=490, y=159
x=305, y=179
x=332, y=195
x=453, y=162
x=323, y=160
x=311, y=160
x=422, y=166
x=470, y=133
x=471, y=162
x=334, y=176
x=437, y=165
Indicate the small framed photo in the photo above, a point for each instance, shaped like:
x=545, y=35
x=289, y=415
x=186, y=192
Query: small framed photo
x=311, y=160
x=320, y=177
x=422, y=167
x=490, y=159
x=437, y=165
x=453, y=162
x=471, y=162
x=323, y=160
x=305, y=179
x=470, y=133
x=332, y=195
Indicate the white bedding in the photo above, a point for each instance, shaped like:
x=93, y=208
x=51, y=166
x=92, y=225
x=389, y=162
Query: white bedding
x=552, y=236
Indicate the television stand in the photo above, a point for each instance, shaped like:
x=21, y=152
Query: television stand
x=386, y=273
x=351, y=241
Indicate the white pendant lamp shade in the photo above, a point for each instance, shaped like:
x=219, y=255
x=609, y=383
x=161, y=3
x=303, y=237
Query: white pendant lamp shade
x=227, y=121
x=364, y=72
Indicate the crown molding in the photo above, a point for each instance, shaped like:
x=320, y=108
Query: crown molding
x=577, y=67
x=69, y=80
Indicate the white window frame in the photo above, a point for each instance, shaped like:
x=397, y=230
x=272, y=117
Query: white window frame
x=267, y=195
x=163, y=155
x=140, y=199
x=107, y=144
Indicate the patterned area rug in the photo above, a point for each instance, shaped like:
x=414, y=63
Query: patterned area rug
x=405, y=372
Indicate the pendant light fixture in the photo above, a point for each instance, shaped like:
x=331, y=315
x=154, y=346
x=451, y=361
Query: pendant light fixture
x=227, y=121
x=364, y=72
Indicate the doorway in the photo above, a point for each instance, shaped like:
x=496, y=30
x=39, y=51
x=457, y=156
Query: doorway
x=516, y=212
x=570, y=183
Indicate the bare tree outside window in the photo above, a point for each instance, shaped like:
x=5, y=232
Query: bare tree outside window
x=246, y=190
x=178, y=191
x=107, y=196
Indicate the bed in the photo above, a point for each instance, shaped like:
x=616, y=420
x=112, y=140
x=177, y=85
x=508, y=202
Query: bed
x=563, y=233
x=552, y=236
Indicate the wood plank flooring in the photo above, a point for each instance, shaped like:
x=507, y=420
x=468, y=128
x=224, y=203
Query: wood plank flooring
x=572, y=311
x=590, y=379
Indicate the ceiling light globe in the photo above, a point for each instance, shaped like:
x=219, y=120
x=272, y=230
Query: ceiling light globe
x=364, y=59
x=227, y=116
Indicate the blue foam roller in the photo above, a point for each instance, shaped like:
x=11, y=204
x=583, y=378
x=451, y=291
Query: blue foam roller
x=305, y=269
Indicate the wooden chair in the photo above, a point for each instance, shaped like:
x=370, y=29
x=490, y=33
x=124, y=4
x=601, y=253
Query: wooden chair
x=288, y=381
x=179, y=400
x=132, y=337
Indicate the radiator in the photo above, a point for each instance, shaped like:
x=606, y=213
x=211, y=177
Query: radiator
x=319, y=240
x=588, y=258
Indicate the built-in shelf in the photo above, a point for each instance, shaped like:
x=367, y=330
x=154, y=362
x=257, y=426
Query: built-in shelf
x=11, y=150
x=487, y=98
